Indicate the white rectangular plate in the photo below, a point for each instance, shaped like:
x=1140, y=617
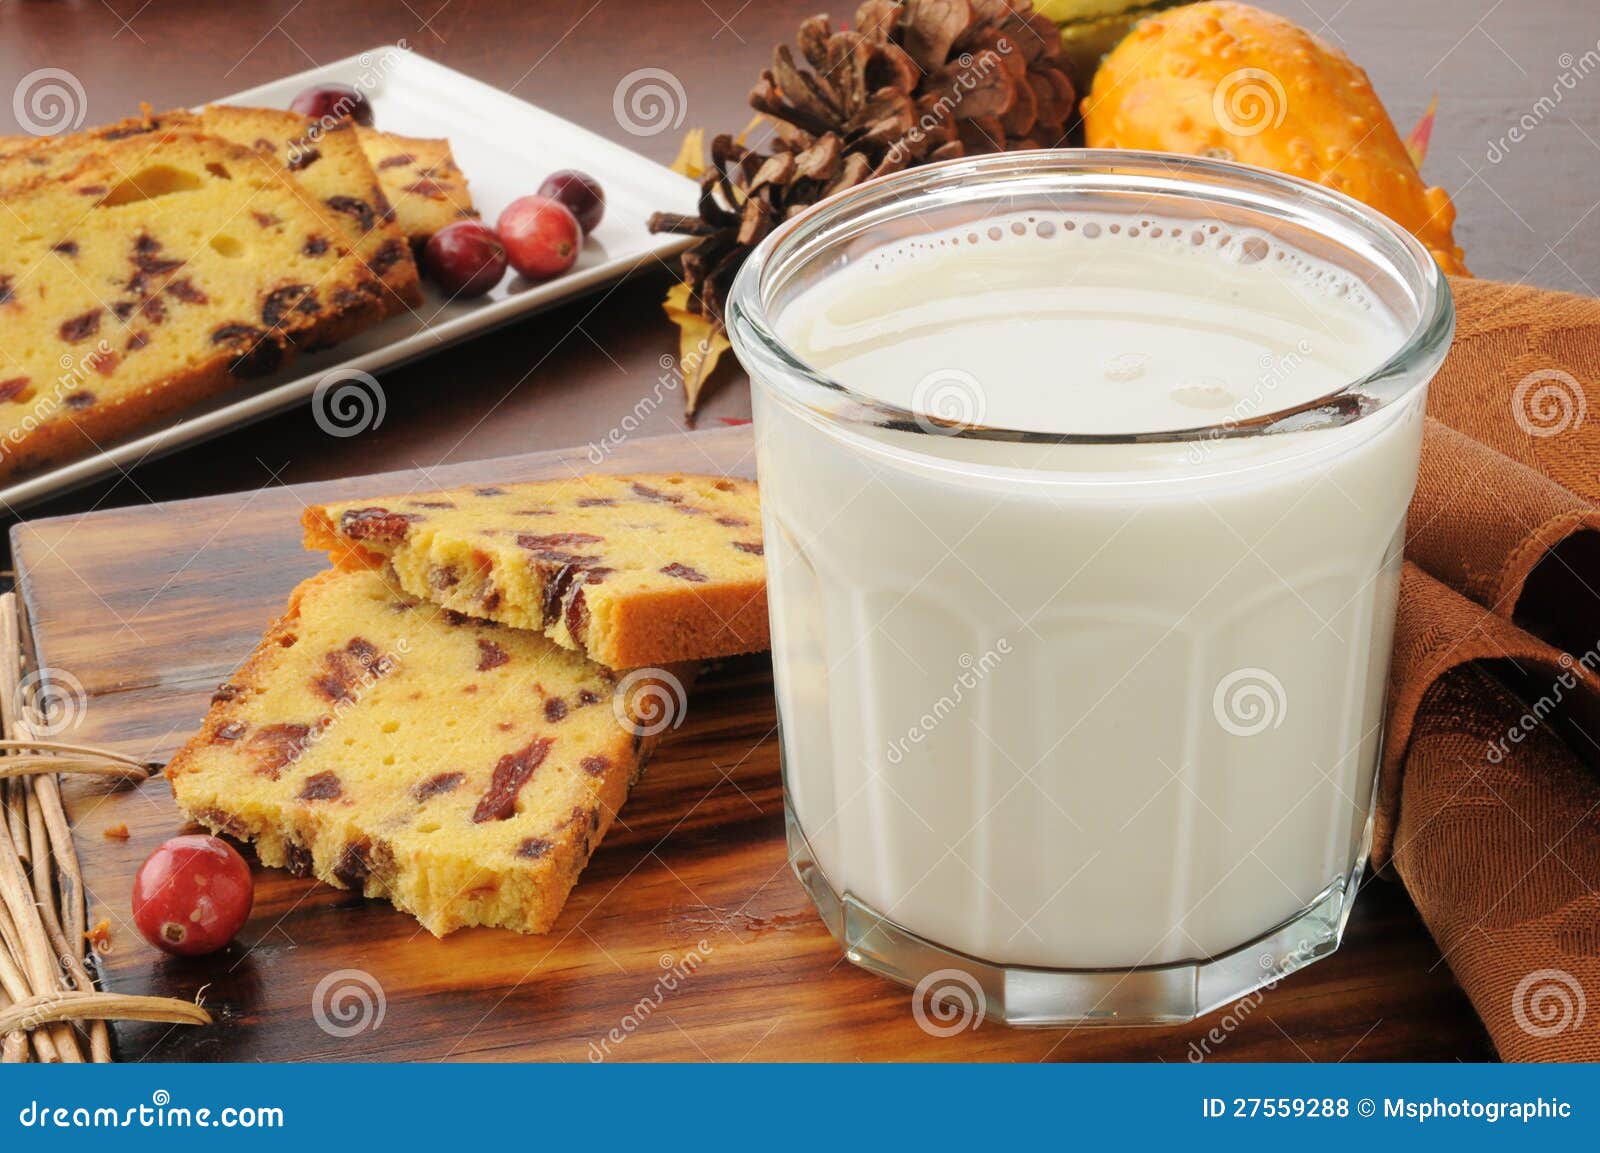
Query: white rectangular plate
x=505, y=147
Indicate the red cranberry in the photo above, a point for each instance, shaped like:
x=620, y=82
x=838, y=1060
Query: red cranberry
x=541, y=236
x=464, y=259
x=580, y=192
x=332, y=102
x=192, y=895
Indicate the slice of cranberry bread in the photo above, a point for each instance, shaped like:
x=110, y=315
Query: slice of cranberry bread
x=632, y=570
x=139, y=282
x=463, y=771
x=421, y=180
x=327, y=160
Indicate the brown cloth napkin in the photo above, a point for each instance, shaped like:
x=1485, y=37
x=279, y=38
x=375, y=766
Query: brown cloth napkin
x=1489, y=806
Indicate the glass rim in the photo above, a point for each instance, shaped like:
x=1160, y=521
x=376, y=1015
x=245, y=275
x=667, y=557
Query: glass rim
x=773, y=365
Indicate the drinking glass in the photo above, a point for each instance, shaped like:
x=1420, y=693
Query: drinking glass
x=1083, y=727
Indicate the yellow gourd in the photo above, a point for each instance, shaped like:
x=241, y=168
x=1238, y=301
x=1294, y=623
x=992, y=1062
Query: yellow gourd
x=1229, y=80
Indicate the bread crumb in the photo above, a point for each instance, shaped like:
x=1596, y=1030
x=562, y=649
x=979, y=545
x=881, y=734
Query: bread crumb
x=99, y=937
x=116, y=832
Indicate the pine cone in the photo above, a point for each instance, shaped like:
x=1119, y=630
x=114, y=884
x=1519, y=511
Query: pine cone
x=914, y=81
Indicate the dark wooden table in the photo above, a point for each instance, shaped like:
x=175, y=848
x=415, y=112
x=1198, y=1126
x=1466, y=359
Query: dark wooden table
x=1517, y=142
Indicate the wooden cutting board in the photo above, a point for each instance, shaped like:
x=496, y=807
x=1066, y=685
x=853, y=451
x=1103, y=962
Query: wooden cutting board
x=687, y=937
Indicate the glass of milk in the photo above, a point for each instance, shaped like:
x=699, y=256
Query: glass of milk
x=1084, y=478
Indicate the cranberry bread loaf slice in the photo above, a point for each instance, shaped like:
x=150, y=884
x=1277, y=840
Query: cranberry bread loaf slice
x=421, y=180
x=632, y=570
x=462, y=771
x=326, y=159
x=139, y=282
x=329, y=161
x=23, y=157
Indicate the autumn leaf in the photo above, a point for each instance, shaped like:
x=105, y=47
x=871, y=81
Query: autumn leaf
x=691, y=155
x=701, y=343
x=691, y=158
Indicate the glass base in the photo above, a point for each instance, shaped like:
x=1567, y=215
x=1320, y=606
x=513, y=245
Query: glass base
x=1150, y=995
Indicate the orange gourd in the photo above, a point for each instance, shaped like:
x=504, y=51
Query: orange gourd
x=1229, y=80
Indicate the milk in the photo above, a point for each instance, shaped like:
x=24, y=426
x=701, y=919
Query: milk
x=1081, y=706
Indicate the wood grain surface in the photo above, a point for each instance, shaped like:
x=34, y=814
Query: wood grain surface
x=687, y=937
